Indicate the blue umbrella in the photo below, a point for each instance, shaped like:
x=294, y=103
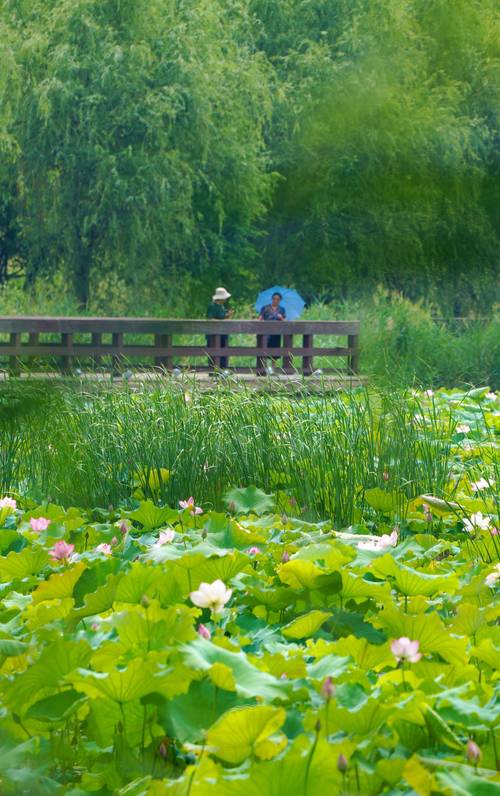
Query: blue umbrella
x=291, y=301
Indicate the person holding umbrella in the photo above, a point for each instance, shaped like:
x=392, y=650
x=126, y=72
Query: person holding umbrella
x=278, y=304
x=273, y=312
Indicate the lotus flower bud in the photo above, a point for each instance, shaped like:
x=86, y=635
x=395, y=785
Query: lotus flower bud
x=285, y=557
x=328, y=689
x=473, y=752
x=342, y=763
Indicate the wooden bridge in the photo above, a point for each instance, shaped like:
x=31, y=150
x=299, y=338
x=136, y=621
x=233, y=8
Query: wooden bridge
x=37, y=342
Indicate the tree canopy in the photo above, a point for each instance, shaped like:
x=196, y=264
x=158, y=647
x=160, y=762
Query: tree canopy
x=336, y=146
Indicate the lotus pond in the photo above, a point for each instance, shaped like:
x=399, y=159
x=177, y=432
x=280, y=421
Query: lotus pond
x=236, y=642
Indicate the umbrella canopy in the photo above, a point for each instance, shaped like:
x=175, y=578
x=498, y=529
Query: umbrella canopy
x=291, y=301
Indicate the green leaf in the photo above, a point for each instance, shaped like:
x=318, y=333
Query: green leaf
x=427, y=629
x=151, y=516
x=57, y=707
x=305, y=626
x=60, y=584
x=250, y=681
x=249, y=500
x=242, y=731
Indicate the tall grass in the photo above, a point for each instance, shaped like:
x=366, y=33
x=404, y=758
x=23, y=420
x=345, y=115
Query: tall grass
x=320, y=450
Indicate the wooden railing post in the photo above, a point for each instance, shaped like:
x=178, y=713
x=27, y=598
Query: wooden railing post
x=287, y=357
x=307, y=361
x=353, y=359
x=260, y=364
x=161, y=341
x=96, y=340
x=66, y=345
x=116, y=358
x=14, y=362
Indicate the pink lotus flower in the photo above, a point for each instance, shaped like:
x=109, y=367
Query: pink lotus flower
x=61, y=551
x=382, y=543
x=254, y=551
x=405, y=650
x=39, y=523
x=104, y=548
x=165, y=537
x=8, y=503
x=204, y=632
x=189, y=504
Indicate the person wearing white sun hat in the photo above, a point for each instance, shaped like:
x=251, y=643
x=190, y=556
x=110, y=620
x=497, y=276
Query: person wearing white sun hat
x=218, y=312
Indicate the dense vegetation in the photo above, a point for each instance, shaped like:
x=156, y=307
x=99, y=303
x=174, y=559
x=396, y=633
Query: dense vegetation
x=147, y=145
x=233, y=643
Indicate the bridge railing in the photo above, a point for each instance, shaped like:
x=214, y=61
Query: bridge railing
x=30, y=341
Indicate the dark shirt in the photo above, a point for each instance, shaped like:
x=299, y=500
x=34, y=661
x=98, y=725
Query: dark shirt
x=270, y=313
x=217, y=312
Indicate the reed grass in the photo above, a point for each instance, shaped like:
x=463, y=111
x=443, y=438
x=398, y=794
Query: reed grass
x=85, y=448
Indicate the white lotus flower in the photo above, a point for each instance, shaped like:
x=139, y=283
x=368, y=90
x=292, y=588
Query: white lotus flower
x=429, y=393
x=476, y=486
x=491, y=396
x=405, y=650
x=477, y=520
x=492, y=579
x=382, y=543
x=211, y=595
x=463, y=428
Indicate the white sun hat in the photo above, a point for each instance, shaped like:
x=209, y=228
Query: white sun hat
x=221, y=294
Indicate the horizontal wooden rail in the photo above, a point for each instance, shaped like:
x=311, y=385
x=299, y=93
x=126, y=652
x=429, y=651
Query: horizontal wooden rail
x=62, y=340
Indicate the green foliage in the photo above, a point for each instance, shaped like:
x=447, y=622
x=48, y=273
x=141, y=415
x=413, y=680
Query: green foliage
x=106, y=685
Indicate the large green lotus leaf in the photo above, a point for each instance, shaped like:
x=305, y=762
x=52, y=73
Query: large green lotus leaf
x=363, y=722
x=215, y=568
x=60, y=584
x=57, y=707
x=99, y=601
x=410, y=582
x=421, y=780
x=469, y=619
x=439, y=730
x=328, y=666
x=8, y=538
x=333, y=554
x=139, y=678
x=137, y=582
x=49, y=672
x=29, y=561
x=367, y=656
x=38, y=616
x=241, y=537
x=154, y=627
x=386, y=502
x=249, y=500
x=428, y=629
x=250, y=681
x=465, y=783
x=355, y=586
x=299, y=574
x=151, y=516
x=468, y=712
x=275, y=597
x=486, y=651
x=10, y=647
x=305, y=626
x=105, y=716
x=188, y=716
x=241, y=732
x=284, y=776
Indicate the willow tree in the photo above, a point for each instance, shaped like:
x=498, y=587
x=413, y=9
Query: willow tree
x=387, y=141
x=139, y=129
